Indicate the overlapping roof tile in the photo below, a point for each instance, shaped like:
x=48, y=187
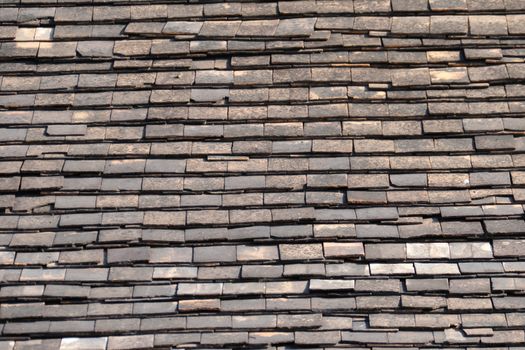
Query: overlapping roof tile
x=277, y=174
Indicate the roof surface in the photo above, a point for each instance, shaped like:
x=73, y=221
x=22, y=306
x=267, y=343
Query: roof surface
x=262, y=174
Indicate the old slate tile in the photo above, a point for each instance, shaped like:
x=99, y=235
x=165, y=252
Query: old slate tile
x=130, y=273
x=363, y=6
x=148, y=11
x=409, y=6
x=508, y=247
x=20, y=83
x=488, y=73
x=254, y=253
x=488, y=25
x=209, y=273
x=411, y=25
x=495, y=142
x=126, y=255
x=102, y=13
x=428, y=251
x=377, y=302
x=514, y=23
x=377, y=213
x=164, y=218
x=417, y=337
x=469, y=304
x=83, y=343
x=343, y=249
x=442, y=5
x=449, y=24
x=331, y=284
x=130, y=342
x=319, y=337
x=215, y=254
x=449, y=75
x=225, y=28
x=435, y=284
x=392, y=321
x=257, y=28
x=436, y=268
x=391, y=269
x=470, y=286
x=57, y=50
x=407, y=57
x=411, y=77
x=29, y=328
x=485, y=124
x=165, y=165
x=300, y=251
x=366, y=197
x=335, y=230
x=423, y=302
x=364, y=337
x=224, y=338
x=295, y=27
x=259, y=321
x=76, y=14
x=43, y=275
x=385, y=251
x=270, y=337
x=79, y=257
x=182, y=27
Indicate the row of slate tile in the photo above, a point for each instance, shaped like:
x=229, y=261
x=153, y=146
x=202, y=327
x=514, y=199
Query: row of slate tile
x=270, y=253
x=200, y=185
x=103, y=51
x=162, y=47
x=221, y=151
x=142, y=97
x=300, y=338
x=486, y=207
x=166, y=292
x=473, y=204
x=125, y=274
x=480, y=205
x=303, y=27
x=107, y=41
x=398, y=77
x=394, y=106
x=81, y=120
x=315, y=95
x=234, y=9
x=307, y=321
x=213, y=149
x=323, y=215
x=407, y=303
x=161, y=273
x=224, y=164
x=412, y=227
x=281, y=340
x=140, y=293
x=396, y=25
x=310, y=134
x=390, y=129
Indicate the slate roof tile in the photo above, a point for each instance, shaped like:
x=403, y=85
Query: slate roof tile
x=488, y=25
x=411, y=25
x=295, y=27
